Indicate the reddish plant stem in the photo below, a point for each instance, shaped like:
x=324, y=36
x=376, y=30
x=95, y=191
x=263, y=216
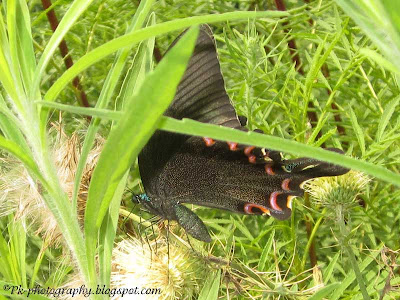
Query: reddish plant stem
x=157, y=53
x=325, y=72
x=51, y=16
x=338, y=119
x=280, y=5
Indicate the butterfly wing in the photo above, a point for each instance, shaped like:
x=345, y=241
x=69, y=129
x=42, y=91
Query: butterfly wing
x=178, y=169
x=200, y=96
x=218, y=177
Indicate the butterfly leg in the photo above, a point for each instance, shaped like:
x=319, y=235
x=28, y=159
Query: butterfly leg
x=192, y=224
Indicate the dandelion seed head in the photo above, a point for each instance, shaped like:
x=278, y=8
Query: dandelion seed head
x=21, y=194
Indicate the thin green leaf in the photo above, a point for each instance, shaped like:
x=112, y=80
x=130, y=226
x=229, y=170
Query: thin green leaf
x=10, y=126
x=357, y=130
x=6, y=77
x=132, y=132
x=106, y=93
x=350, y=278
x=77, y=8
x=380, y=60
x=141, y=65
x=188, y=126
x=324, y=292
x=387, y=114
x=266, y=250
x=142, y=34
x=85, y=111
x=211, y=287
x=19, y=153
x=13, y=44
x=26, y=55
x=328, y=271
x=5, y=260
x=242, y=228
x=107, y=232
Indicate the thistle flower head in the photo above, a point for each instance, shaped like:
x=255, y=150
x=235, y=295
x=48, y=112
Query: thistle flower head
x=172, y=269
x=339, y=190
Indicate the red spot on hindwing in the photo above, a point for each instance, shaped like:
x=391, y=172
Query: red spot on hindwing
x=248, y=208
x=232, y=146
x=285, y=184
x=269, y=170
x=208, y=141
x=248, y=150
x=273, y=201
x=252, y=159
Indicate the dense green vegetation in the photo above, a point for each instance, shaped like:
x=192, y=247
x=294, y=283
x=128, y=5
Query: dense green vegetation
x=320, y=73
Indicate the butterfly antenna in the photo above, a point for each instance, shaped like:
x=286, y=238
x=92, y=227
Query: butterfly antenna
x=168, y=250
x=127, y=217
x=150, y=249
x=146, y=237
x=154, y=234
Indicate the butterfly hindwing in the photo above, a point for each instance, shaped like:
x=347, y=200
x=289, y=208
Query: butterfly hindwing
x=178, y=169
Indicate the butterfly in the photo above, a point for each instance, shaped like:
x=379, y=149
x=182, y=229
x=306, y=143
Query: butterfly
x=179, y=169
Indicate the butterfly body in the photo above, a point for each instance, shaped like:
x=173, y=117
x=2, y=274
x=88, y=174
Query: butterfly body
x=180, y=169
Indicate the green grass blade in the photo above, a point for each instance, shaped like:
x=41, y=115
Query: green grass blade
x=324, y=292
x=132, y=132
x=5, y=260
x=142, y=34
x=105, y=114
x=191, y=127
x=373, y=19
x=211, y=287
x=6, y=77
x=358, y=131
x=327, y=273
x=387, y=114
x=266, y=251
x=10, y=126
x=188, y=126
x=380, y=60
x=18, y=249
x=77, y=8
x=242, y=228
x=108, y=231
x=13, y=44
x=26, y=55
x=350, y=278
x=19, y=153
x=107, y=91
x=141, y=65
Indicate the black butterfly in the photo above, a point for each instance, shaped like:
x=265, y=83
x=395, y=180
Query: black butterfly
x=177, y=169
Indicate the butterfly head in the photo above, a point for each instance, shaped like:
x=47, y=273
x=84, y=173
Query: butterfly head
x=141, y=198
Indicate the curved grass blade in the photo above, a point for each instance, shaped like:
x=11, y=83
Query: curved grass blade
x=191, y=127
x=77, y=8
x=142, y=34
x=125, y=141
